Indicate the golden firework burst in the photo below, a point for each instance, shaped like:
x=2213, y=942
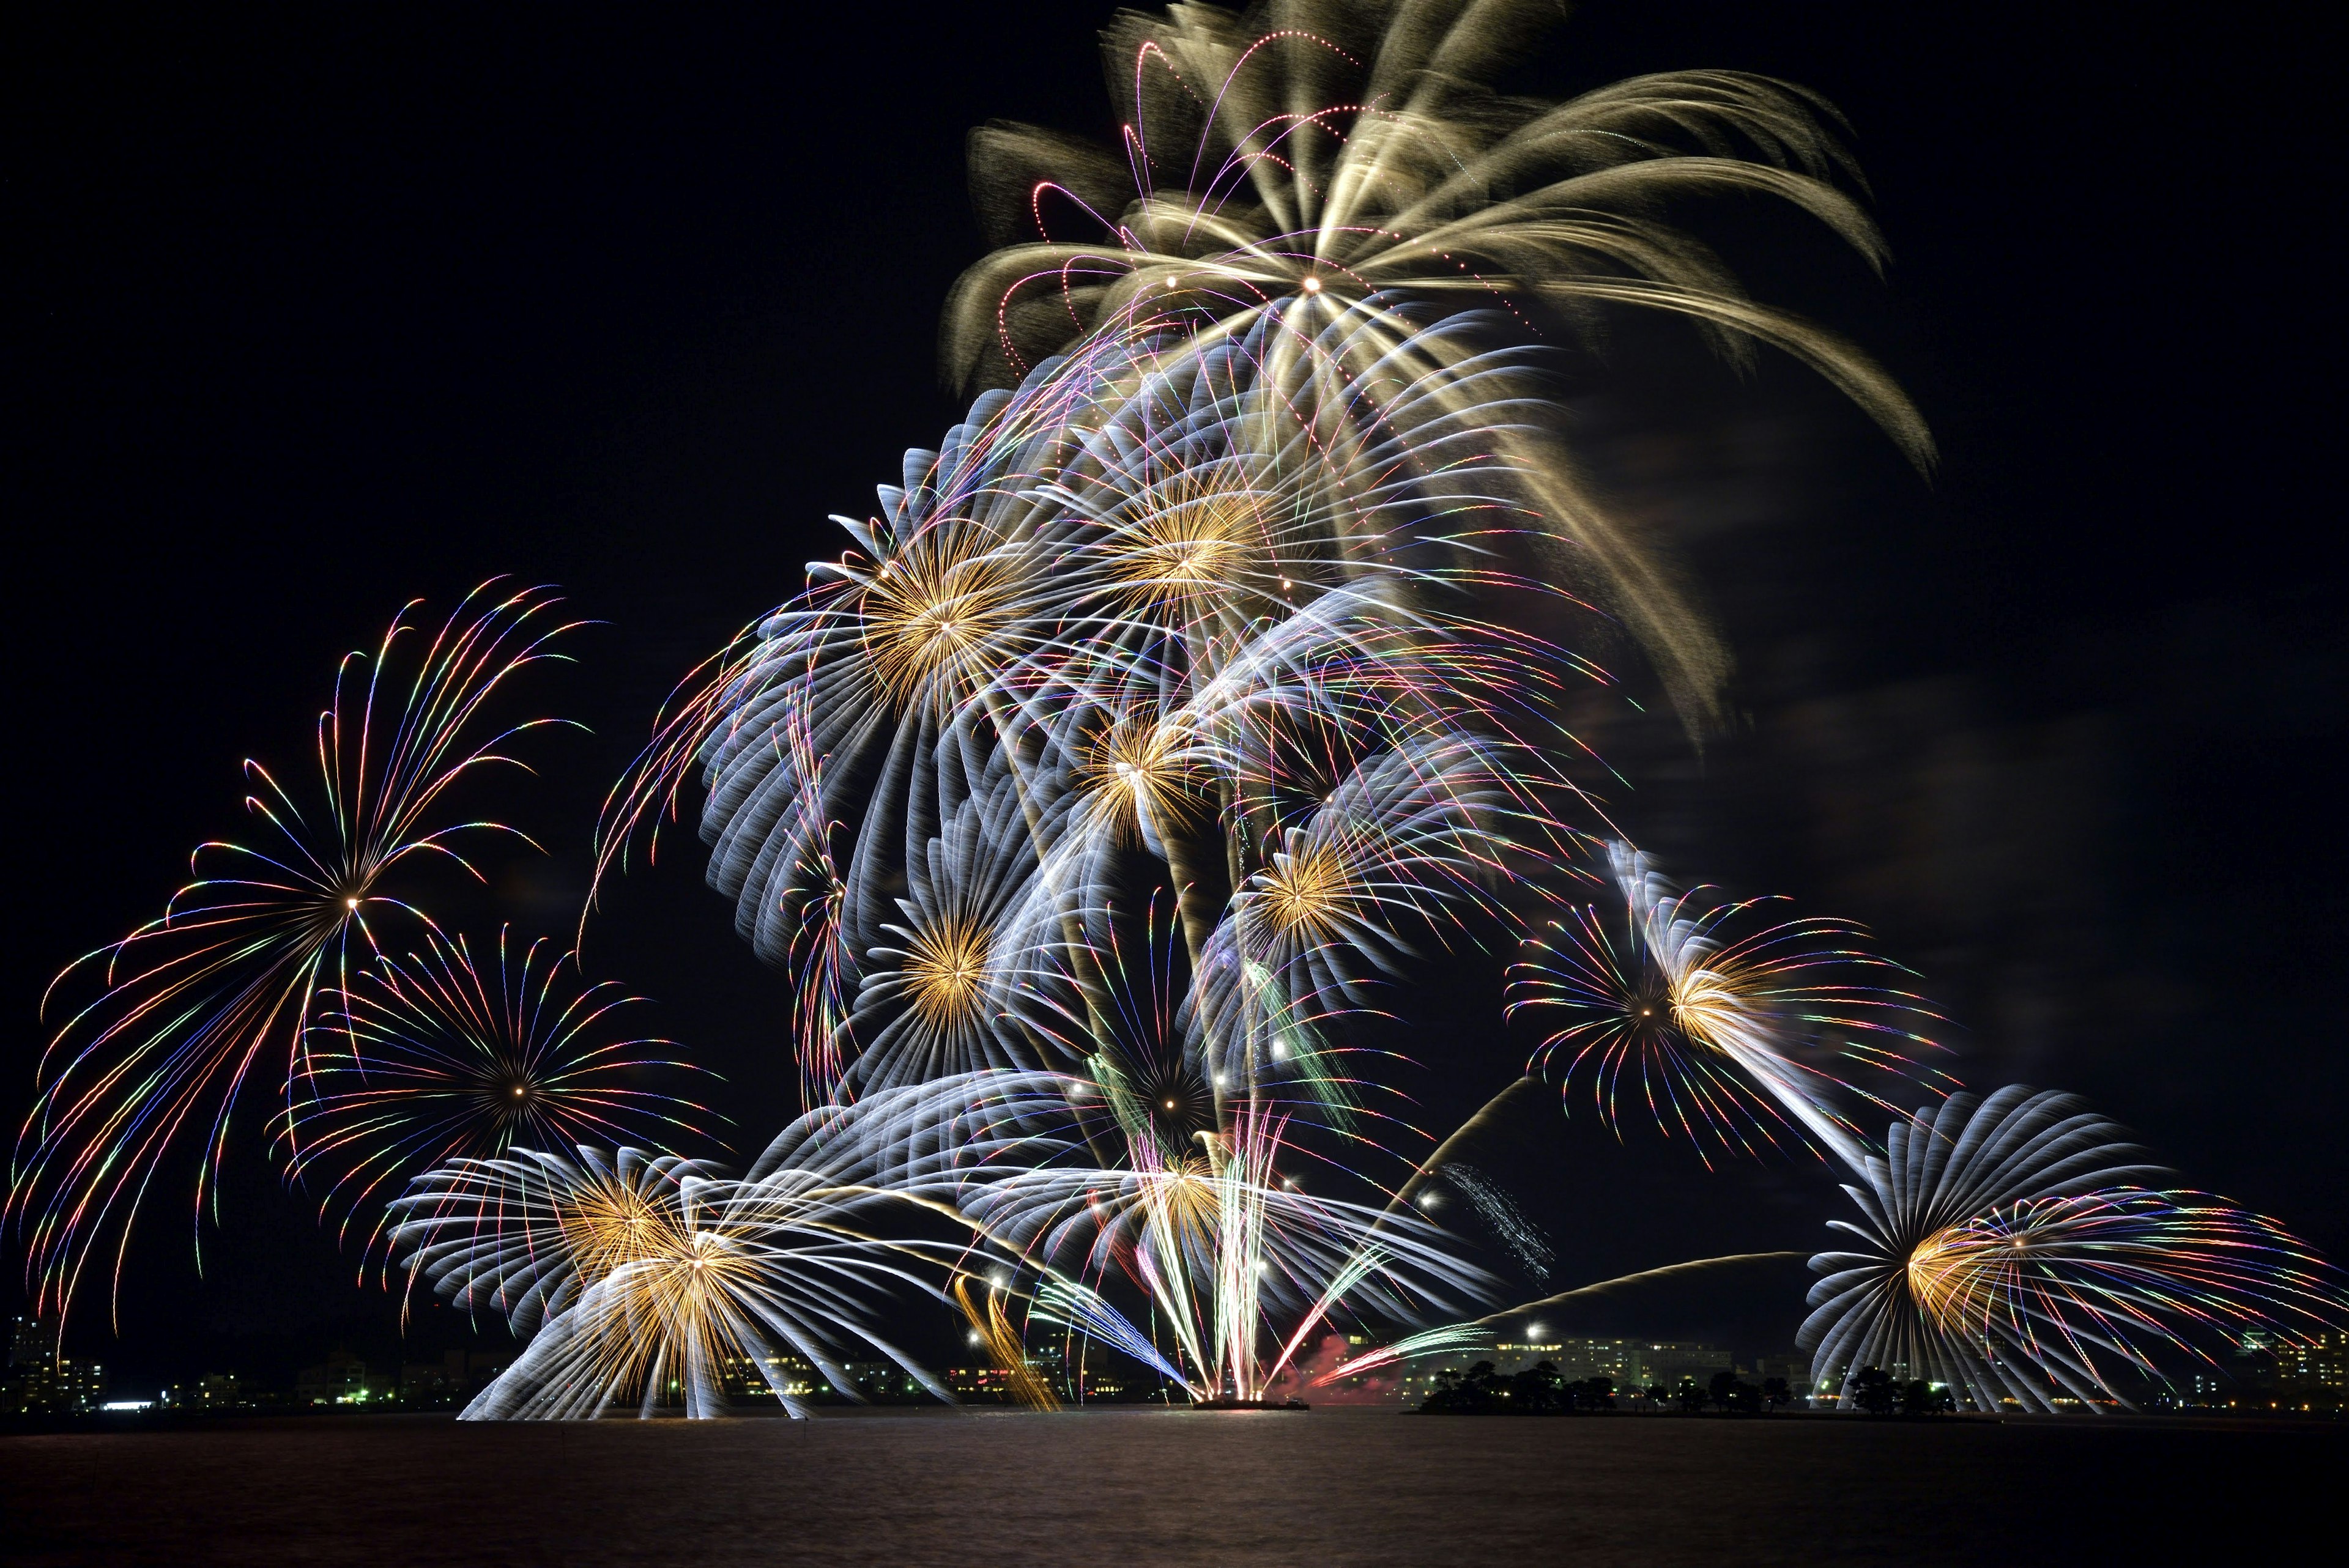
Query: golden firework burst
x=613, y=1222
x=947, y=970
x=936, y=611
x=1138, y=769
x=1304, y=892
x=1950, y=1272
x=1197, y=537
x=1708, y=1005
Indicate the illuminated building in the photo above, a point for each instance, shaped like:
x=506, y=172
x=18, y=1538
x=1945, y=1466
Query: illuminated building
x=214, y=1391
x=340, y=1380
x=40, y=1380
x=2313, y=1374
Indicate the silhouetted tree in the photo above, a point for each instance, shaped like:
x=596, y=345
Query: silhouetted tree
x=1919, y=1397
x=1734, y=1394
x=1775, y=1393
x=1537, y=1390
x=1592, y=1393
x=1692, y=1397
x=1657, y=1395
x=1474, y=1389
x=1874, y=1391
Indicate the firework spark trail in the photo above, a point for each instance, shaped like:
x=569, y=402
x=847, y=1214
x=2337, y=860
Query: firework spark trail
x=1501, y=1214
x=992, y=1326
x=232, y=968
x=1225, y=1249
x=422, y=1061
x=1477, y=1334
x=2013, y=1255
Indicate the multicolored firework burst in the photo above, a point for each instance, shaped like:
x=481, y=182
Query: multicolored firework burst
x=1734, y=1034
x=430, y=1058
x=230, y=974
x=1208, y=689
x=1226, y=607
x=2014, y=1256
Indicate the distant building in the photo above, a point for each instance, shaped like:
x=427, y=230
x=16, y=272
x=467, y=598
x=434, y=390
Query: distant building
x=481, y=1368
x=884, y=1380
x=979, y=1382
x=1794, y=1366
x=81, y=1385
x=430, y=1383
x=31, y=1385
x=2313, y=1373
x=340, y=1380
x=1674, y=1362
x=33, y=1342
x=39, y=1380
x=754, y=1378
x=213, y=1391
x=1513, y=1356
x=1578, y=1360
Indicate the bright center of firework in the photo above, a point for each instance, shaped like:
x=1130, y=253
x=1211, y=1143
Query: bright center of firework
x=1312, y=285
x=1304, y=892
x=1709, y=1006
x=924, y=614
x=946, y=969
x=1135, y=764
x=1949, y=1271
x=350, y=903
x=1196, y=539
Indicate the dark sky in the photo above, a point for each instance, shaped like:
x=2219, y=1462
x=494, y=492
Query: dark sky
x=313, y=310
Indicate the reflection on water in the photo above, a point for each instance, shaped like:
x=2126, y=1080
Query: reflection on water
x=1152, y=1487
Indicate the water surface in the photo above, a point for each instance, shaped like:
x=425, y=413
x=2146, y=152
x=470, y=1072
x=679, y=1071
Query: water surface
x=1150, y=1486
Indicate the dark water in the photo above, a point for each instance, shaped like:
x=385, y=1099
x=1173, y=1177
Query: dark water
x=1158, y=1487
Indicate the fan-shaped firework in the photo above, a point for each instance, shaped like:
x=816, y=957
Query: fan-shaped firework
x=1733, y=1035
x=936, y=993
x=231, y=971
x=435, y=1058
x=644, y=1279
x=1235, y=1260
x=1315, y=162
x=2013, y=1255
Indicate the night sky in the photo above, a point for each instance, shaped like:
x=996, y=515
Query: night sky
x=310, y=312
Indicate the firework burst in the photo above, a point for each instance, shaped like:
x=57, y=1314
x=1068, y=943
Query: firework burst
x=435, y=1058
x=2014, y=1254
x=230, y=974
x=1737, y=1034
x=1314, y=165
